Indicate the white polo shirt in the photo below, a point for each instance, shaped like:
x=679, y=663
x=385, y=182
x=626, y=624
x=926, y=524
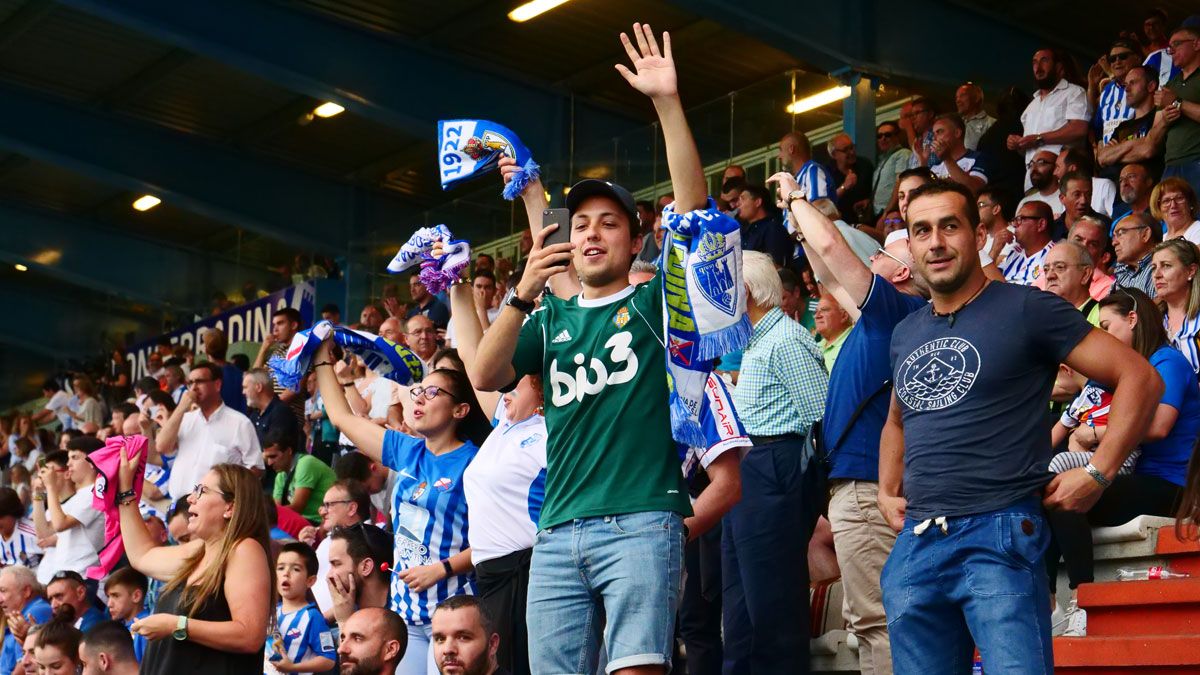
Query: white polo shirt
x=1063, y=103
x=226, y=437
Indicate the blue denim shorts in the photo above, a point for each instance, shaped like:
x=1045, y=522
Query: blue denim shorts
x=616, y=578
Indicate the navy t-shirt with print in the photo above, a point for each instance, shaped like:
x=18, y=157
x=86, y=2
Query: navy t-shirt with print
x=974, y=397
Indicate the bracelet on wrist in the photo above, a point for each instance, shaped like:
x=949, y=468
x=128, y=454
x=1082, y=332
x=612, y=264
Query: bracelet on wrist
x=449, y=570
x=1097, y=475
x=323, y=363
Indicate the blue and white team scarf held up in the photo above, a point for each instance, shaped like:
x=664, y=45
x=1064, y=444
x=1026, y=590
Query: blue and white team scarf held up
x=438, y=270
x=388, y=359
x=473, y=147
x=705, y=307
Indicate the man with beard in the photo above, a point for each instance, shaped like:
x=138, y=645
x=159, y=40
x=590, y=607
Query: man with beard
x=426, y=304
x=373, y=642
x=1135, y=185
x=464, y=638
x=966, y=567
x=1058, y=114
x=1137, y=139
x=359, y=571
x=1044, y=182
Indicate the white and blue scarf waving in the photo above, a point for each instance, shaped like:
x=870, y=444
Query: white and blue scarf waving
x=388, y=359
x=705, y=305
x=417, y=247
x=441, y=256
x=471, y=147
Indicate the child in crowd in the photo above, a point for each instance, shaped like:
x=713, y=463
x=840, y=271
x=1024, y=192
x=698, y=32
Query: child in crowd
x=300, y=641
x=1082, y=425
x=126, y=591
x=21, y=480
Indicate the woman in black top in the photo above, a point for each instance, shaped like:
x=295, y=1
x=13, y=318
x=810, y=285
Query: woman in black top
x=212, y=614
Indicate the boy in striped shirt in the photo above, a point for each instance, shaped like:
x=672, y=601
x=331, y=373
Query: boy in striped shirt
x=18, y=537
x=300, y=641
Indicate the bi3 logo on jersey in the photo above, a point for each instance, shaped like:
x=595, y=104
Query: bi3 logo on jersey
x=567, y=387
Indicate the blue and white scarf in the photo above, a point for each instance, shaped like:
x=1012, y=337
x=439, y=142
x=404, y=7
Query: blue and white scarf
x=417, y=247
x=705, y=305
x=470, y=147
x=443, y=265
x=388, y=359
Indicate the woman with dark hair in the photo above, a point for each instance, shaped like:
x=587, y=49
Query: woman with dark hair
x=211, y=617
x=56, y=647
x=448, y=357
x=429, y=510
x=1155, y=486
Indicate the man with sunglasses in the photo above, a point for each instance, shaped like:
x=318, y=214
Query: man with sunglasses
x=892, y=158
x=1179, y=101
x=1106, y=87
x=210, y=435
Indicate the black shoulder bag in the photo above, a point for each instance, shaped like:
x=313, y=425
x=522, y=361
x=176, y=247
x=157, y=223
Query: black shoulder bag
x=816, y=460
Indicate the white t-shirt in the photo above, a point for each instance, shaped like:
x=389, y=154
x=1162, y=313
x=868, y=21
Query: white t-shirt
x=505, y=486
x=1104, y=193
x=1064, y=103
x=1192, y=233
x=381, y=394
x=59, y=404
x=320, y=590
x=226, y=437
x=77, y=546
x=1053, y=200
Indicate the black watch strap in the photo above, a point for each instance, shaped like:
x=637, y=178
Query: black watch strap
x=524, y=305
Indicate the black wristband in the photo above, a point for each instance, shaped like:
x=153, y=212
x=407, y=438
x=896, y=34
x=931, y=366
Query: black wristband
x=449, y=570
x=126, y=497
x=323, y=363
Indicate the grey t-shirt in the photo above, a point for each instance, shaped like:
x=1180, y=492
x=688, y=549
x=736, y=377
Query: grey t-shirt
x=974, y=397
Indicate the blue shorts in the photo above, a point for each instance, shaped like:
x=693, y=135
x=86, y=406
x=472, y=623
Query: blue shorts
x=616, y=575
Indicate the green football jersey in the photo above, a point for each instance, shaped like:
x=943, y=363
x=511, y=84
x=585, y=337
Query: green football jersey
x=604, y=371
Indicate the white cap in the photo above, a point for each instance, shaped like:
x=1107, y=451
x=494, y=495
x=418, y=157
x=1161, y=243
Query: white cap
x=894, y=236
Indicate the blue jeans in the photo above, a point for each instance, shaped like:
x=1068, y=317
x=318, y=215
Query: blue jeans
x=617, y=574
x=764, y=565
x=980, y=582
x=1190, y=172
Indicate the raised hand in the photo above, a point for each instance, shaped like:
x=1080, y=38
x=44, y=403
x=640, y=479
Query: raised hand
x=654, y=70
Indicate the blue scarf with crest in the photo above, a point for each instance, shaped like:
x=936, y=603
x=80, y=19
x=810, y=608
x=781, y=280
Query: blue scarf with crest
x=390, y=360
x=473, y=147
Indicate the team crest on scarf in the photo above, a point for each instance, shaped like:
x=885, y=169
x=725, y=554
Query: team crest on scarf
x=621, y=317
x=478, y=147
x=682, y=350
x=714, y=276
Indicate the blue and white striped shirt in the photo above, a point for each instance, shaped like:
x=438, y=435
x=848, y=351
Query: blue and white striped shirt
x=1111, y=110
x=1162, y=65
x=1187, y=340
x=815, y=182
x=1021, y=269
x=21, y=548
x=429, y=519
x=304, y=634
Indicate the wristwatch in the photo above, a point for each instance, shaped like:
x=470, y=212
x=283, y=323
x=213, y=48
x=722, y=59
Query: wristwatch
x=793, y=196
x=523, y=305
x=180, y=628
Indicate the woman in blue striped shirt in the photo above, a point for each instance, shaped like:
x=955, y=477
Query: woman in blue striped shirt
x=1176, y=264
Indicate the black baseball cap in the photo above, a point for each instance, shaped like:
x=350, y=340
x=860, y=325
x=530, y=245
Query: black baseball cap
x=592, y=187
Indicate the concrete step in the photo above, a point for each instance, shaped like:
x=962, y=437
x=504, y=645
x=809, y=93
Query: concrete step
x=1111, y=655
x=1156, y=607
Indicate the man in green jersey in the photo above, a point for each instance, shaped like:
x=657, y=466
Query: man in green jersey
x=616, y=511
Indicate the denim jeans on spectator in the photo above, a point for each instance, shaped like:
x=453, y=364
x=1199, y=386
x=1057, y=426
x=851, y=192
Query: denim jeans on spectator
x=981, y=582
x=617, y=574
x=764, y=565
x=1189, y=171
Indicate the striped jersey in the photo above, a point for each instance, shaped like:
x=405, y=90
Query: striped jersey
x=301, y=635
x=971, y=162
x=505, y=486
x=1162, y=66
x=1024, y=269
x=1111, y=110
x=1187, y=340
x=21, y=547
x=429, y=519
x=815, y=182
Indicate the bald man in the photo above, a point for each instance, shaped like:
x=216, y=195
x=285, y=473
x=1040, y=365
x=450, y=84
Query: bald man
x=373, y=642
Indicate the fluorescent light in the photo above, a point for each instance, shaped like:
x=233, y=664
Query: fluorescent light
x=21, y=268
x=49, y=256
x=534, y=8
x=819, y=99
x=328, y=109
x=146, y=202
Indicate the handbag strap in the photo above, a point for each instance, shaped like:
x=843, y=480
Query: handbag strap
x=887, y=384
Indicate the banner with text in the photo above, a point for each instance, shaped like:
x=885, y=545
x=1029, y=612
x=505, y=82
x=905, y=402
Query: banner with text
x=250, y=322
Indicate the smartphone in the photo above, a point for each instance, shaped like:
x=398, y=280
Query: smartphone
x=562, y=218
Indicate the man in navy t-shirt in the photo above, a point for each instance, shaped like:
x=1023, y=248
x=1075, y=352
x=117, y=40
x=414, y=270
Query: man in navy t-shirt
x=964, y=453
x=877, y=298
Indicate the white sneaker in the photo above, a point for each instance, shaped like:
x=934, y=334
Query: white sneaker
x=1058, y=621
x=1076, y=622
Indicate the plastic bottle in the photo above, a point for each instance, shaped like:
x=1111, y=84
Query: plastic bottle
x=1149, y=573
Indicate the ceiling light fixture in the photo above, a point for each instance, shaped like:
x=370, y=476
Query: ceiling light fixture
x=328, y=109
x=819, y=99
x=146, y=202
x=21, y=268
x=534, y=8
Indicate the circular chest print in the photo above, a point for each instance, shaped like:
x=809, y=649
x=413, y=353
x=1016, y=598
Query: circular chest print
x=937, y=374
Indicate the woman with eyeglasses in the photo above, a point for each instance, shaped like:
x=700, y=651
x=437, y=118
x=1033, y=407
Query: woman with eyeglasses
x=1174, y=202
x=211, y=616
x=429, y=511
x=1175, y=272
x=1155, y=484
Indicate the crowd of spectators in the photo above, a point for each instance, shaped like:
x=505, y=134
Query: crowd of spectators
x=1032, y=275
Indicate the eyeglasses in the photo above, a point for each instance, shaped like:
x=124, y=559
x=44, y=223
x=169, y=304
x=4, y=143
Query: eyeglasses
x=423, y=331
x=984, y=205
x=192, y=383
x=1039, y=162
x=201, y=489
x=329, y=505
x=1119, y=56
x=880, y=251
x=848, y=148
x=1177, y=44
x=431, y=392
x=885, y=134
x=1122, y=230
x=1167, y=201
x=1060, y=267
x=1025, y=219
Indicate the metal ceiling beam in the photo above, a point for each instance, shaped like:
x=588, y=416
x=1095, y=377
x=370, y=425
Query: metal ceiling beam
x=405, y=86
x=144, y=79
x=854, y=35
x=287, y=205
x=21, y=20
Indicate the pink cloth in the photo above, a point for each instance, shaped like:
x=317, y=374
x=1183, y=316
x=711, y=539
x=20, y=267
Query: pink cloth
x=107, y=461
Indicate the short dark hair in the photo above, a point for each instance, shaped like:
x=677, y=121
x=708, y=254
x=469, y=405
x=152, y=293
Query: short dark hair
x=448, y=353
x=60, y=632
x=1000, y=196
x=85, y=444
x=356, y=492
x=10, y=503
x=456, y=602
x=291, y=313
x=353, y=465
x=1073, y=175
x=241, y=361
x=146, y=384
x=485, y=255
x=364, y=540
x=110, y=637
x=486, y=274
x=213, y=370
x=1078, y=158
x=916, y=172
x=130, y=578
x=331, y=308
x=954, y=119
x=126, y=408
x=281, y=436
x=179, y=508
x=789, y=279
x=50, y=385
x=940, y=187
x=921, y=100
x=160, y=397
x=760, y=193
x=306, y=553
